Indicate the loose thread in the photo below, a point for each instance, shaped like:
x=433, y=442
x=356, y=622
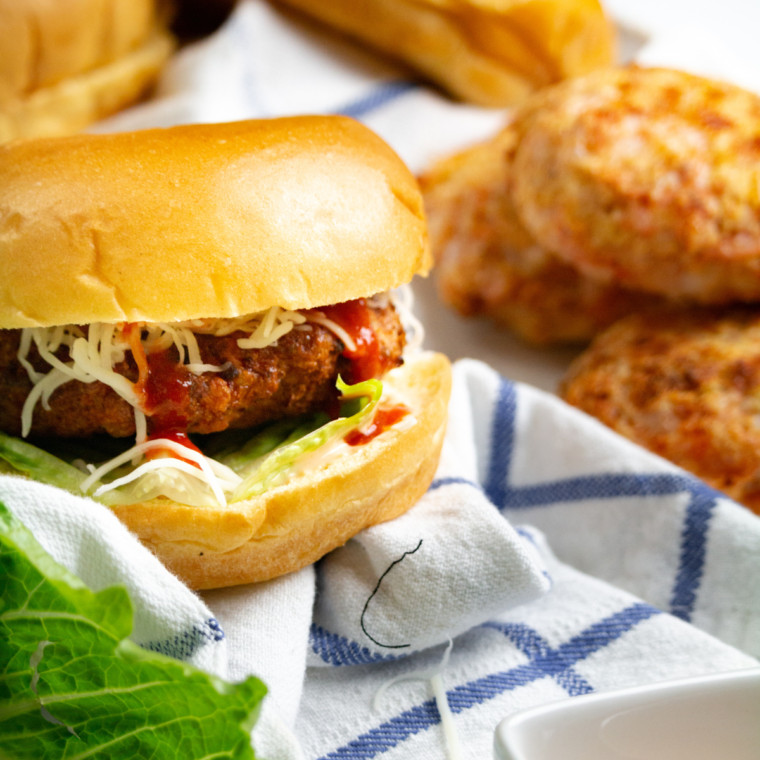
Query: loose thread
x=377, y=588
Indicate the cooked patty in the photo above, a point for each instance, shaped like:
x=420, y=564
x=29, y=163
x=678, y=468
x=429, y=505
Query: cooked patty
x=487, y=263
x=294, y=377
x=648, y=178
x=684, y=385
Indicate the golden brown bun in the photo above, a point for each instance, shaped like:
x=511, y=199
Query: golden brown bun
x=683, y=384
x=488, y=264
x=295, y=524
x=489, y=52
x=203, y=221
x=68, y=63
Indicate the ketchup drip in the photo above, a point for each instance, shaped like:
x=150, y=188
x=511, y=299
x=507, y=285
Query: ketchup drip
x=384, y=418
x=355, y=318
x=164, y=386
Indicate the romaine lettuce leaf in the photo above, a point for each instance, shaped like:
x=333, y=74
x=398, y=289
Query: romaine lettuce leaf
x=72, y=685
x=275, y=469
x=43, y=467
x=39, y=465
x=271, y=437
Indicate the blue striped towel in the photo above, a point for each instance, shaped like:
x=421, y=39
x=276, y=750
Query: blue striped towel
x=648, y=573
x=649, y=577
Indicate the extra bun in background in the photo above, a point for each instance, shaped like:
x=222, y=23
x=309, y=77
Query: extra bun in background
x=485, y=52
x=191, y=280
x=69, y=63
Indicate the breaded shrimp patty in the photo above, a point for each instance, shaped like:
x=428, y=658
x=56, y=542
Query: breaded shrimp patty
x=294, y=376
x=488, y=264
x=649, y=178
x=685, y=385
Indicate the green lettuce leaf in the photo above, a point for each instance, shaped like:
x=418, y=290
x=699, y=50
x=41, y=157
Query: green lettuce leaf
x=243, y=458
x=275, y=468
x=39, y=465
x=73, y=686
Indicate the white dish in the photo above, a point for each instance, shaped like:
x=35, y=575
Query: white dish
x=715, y=717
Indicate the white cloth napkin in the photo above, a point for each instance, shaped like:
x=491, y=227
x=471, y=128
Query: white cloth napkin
x=650, y=575
x=527, y=628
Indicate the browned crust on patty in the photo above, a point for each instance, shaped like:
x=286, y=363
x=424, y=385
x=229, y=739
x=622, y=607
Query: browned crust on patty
x=488, y=264
x=648, y=177
x=294, y=377
x=685, y=385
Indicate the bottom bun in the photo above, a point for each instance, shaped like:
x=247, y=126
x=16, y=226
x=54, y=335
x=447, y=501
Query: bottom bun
x=295, y=524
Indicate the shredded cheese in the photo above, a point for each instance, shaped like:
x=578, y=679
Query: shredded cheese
x=141, y=426
x=94, y=355
x=23, y=350
x=275, y=324
x=319, y=318
x=218, y=477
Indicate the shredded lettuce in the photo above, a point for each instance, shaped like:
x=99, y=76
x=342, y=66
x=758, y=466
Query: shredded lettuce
x=73, y=685
x=276, y=468
x=38, y=465
x=246, y=457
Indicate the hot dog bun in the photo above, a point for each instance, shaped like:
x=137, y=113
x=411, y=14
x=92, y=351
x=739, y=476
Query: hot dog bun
x=490, y=53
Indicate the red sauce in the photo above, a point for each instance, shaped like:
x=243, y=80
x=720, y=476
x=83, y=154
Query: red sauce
x=166, y=392
x=178, y=436
x=164, y=388
x=384, y=419
x=366, y=361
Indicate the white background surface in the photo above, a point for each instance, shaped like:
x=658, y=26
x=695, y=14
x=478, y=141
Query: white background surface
x=734, y=23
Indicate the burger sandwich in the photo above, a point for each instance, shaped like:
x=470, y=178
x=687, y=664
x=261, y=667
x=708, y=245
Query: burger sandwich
x=204, y=328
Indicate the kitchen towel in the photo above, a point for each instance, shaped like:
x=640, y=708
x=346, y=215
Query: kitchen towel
x=664, y=591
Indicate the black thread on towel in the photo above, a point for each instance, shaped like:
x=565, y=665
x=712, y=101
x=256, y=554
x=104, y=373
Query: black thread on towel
x=377, y=588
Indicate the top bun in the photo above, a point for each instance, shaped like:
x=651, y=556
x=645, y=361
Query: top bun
x=203, y=221
x=67, y=64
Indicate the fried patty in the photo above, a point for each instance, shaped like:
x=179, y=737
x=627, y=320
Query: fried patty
x=488, y=264
x=648, y=178
x=685, y=385
x=296, y=376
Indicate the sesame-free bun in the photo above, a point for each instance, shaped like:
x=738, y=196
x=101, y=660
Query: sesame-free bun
x=490, y=52
x=68, y=63
x=295, y=524
x=203, y=221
